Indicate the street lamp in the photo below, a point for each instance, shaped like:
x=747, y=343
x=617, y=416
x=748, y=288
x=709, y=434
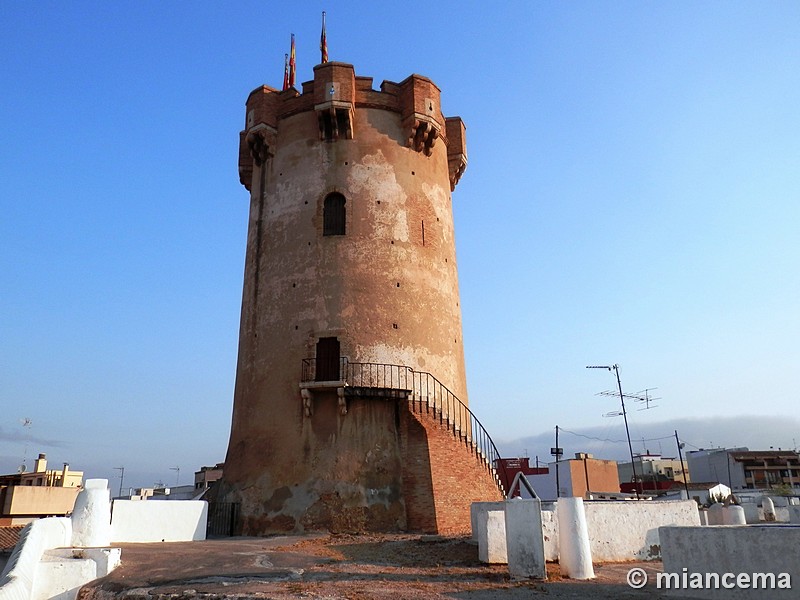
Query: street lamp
x=625, y=417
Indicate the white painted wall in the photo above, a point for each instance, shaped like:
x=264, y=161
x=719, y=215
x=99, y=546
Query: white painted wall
x=624, y=530
x=730, y=549
x=174, y=521
x=716, y=465
x=17, y=580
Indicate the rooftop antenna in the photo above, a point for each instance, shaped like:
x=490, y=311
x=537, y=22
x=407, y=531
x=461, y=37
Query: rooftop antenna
x=641, y=397
x=121, y=478
x=178, y=475
x=615, y=369
x=26, y=424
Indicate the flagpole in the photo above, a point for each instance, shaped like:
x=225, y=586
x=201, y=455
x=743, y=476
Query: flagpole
x=323, y=41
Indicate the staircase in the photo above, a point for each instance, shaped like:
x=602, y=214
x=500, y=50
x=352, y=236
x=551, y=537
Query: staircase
x=426, y=396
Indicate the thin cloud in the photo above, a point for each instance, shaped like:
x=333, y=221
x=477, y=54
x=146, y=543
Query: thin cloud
x=754, y=432
x=24, y=436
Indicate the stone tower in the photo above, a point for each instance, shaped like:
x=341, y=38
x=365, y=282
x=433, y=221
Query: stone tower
x=350, y=402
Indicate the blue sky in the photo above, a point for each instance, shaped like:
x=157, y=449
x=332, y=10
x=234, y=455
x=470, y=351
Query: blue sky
x=632, y=197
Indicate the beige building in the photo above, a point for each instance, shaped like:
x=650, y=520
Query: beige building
x=41, y=493
x=654, y=468
x=585, y=474
x=207, y=475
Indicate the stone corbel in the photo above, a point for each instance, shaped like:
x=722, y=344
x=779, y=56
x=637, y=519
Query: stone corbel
x=260, y=139
x=307, y=405
x=422, y=136
x=342, y=401
x=328, y=111
x=456, y=164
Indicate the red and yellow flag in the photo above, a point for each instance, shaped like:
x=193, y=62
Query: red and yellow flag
x=323, y=41
x=292, y=64
x=285, y=72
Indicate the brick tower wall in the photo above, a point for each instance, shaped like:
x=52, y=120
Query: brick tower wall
x=442, y=476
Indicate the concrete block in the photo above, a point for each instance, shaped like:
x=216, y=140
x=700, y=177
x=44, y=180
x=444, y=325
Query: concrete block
x=794, y=515
x=524, y=538
x=747, y=550
x=476, y=508
x=61, y=572
x=492, y=537
x=734, y=515
x=752, y=514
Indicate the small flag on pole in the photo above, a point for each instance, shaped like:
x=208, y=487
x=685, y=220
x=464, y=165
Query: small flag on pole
x=292, y=64
x=285, y=72
x=323, y=41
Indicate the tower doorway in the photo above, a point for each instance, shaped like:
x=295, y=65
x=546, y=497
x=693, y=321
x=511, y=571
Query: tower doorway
x=328, y=359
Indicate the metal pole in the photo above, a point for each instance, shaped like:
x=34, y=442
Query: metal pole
x=586, y=475
x=728, y=460
x=683, y=469
x=558, y=483
x=627, y=431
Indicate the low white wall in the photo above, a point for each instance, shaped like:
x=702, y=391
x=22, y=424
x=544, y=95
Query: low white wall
x=755, y=514
x=733, y=549
x=550, y=531
x=624, y=530
x=173, y=521
x=17, y=580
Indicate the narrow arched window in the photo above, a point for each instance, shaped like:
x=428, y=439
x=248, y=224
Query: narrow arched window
x=333, y=217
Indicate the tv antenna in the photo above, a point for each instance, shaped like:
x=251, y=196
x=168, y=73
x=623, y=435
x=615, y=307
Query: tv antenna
x=640, y=397
x=26, y=424
x=178, y=475
x=644, y=397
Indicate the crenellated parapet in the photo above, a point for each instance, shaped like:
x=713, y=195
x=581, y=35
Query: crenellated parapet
x=333, y=97
x=422, y=117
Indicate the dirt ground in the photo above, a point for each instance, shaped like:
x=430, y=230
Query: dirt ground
x=339, y=567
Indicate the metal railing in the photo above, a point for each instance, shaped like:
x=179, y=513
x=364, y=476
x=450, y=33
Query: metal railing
x=427, y=394
x=314, y=370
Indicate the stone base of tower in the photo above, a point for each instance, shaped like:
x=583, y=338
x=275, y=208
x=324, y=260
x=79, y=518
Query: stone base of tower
x=442, y=475
x=379, y=467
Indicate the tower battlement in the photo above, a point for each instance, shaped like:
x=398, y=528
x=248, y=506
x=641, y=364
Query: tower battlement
x=333, y=96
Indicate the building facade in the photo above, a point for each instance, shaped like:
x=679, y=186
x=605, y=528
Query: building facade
x=741, y=468
x=39, y=493
x=580, y=476
x=350, y=406
x=207, y=475
x=653, y=469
